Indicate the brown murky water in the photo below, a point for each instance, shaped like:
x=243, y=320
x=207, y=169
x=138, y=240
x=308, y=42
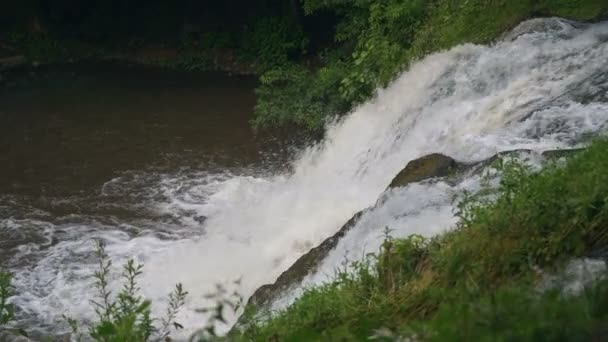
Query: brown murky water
x=102, y=140
x=65, y=130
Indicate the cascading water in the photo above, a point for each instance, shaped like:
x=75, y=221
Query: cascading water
x=544, y=88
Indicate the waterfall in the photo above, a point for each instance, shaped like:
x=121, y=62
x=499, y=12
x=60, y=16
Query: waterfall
x=542, y=87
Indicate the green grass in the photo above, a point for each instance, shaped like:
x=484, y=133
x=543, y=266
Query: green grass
x=480, y=21
x=477, y=281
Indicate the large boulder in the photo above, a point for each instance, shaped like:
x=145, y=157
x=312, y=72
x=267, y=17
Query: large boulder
x=430, y=166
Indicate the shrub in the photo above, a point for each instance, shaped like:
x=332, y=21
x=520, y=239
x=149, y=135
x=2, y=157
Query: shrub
x=7, y=310
x=292, y=94
x=271, y=42
x=127, y=317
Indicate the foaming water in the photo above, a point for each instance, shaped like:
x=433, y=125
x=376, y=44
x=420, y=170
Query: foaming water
x=539, y=90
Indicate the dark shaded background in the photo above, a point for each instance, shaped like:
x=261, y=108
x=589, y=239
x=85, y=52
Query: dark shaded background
x=157, y=20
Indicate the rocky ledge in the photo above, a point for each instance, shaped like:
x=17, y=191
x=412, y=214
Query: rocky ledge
x=432, y=166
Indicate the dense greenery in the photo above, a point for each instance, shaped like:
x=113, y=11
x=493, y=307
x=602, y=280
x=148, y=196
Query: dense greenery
x=236, y=35
x=375, y=40
x=476, y=281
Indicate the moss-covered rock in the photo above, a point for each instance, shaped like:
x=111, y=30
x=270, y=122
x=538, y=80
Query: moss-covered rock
x=430, y=166
x=264, y=296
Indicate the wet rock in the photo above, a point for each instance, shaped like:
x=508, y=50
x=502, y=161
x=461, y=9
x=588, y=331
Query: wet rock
x=559, y=25
x=10, y=336
x=430, y=166
x=500, y=156
x=306, y=264
x=557, y=154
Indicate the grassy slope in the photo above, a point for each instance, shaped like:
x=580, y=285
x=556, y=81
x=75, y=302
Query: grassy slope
x=475, y=282
x=480, y=21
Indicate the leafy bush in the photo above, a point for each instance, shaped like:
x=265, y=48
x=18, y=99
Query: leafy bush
x=128, y=316
x=7, y=311
x=371, y=37
x=271, y=42
x=292, y=94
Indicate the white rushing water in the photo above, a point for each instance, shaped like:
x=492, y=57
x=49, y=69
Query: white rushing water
x=538, y=90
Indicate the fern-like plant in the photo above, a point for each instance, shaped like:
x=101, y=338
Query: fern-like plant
x=7, y=310
x=127, y=317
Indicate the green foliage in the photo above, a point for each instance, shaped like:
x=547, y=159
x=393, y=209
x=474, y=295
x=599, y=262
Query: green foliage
x=372, y=37
x=225, y=302
x=378, y=39
x=519, y=314
x=128, y=316
x=272, y=41
x=380, y=32
x=7, y=310
x=294, y=94
x=479, y=276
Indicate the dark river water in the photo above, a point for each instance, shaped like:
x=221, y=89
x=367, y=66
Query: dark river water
x=112, y=152
x=67, y=130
